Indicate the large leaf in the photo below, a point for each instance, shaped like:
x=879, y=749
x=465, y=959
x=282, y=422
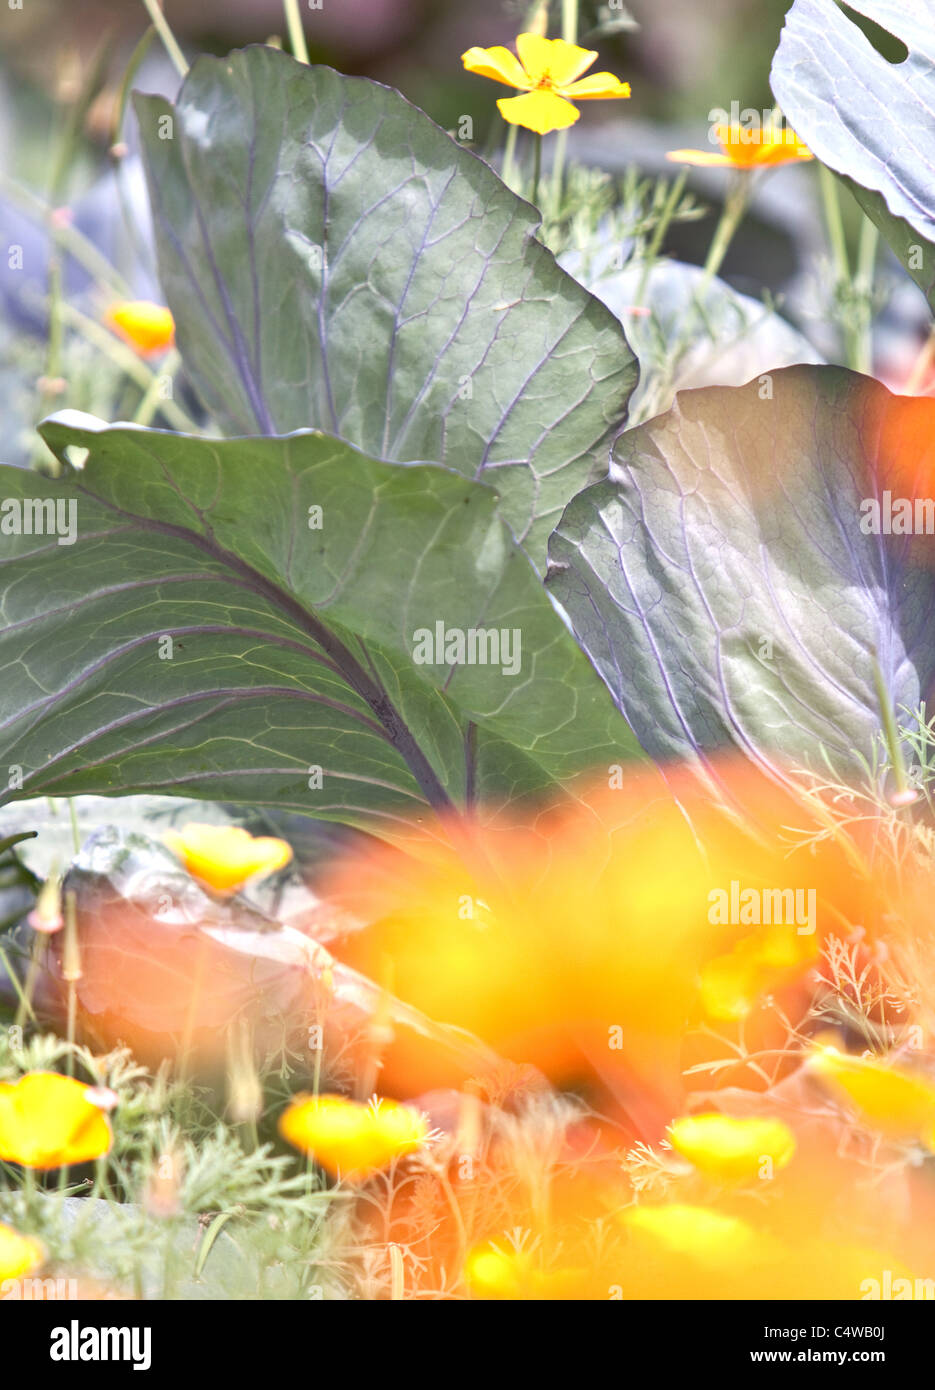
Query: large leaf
x=868, y=119
x=334, y=260
x=723, y=585
x=292, y=646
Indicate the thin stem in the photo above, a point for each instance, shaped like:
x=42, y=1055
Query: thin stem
x=659, y=231
x=570, y=35
x=161, y=26
x=890, y=729
x=509, y=157
x=922, y=365
x=536, y=170
x=866, y=261
x=834, y=222
x=152, y=400
x=735, y=205
x=296, y=32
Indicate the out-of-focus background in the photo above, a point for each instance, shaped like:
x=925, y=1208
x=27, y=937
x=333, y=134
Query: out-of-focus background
x=681, y=60
x=67, y=147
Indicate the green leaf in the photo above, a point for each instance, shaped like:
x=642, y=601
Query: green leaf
x=334, y=260
x=292, y=646
x=723, y=584
x=868, y=119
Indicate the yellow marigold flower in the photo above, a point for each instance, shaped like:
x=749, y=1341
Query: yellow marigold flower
x=899, y=1104
x=743, y=148
x=349, y=1139
x=549, y=72
x=18, y=1254
x=732, y=1150
x=225, y=856
x=147, y=327
x=47, y=1120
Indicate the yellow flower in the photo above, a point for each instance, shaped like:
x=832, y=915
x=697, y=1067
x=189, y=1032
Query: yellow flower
x=899, y=1104
x=147, y=327
x=47, y=1120
x=18, y=1254
x=225, y=856
x=496, y=1274
x=732, y=984
x=698, y=1234
x=549, y=72
x=351, y=1140
x=743, y=148
x=732, y=1150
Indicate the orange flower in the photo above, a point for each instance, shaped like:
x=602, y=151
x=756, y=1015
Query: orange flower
x=742, y=148
x=351, y=1140
x=47, y=1120
x=549, y=72
x=147, y=327
x=225, y=856
x=18, y=1254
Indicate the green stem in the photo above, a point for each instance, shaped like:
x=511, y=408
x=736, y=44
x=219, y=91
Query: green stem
x=152, y=400
x=536, y=170
x=659, y=231
x=834, y=222
x=509, y=157
x=570, y=35
x=296, y=32
x=866, y=262
x=735, y=205
x=161, y=26
x=890, y=728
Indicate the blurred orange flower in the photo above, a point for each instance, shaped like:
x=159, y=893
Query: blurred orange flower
x=147, y=327
x=349, y=1139
x=564, y=938
x=743, y=148
x=549, y=72
x=47, y=1120
x=19, y=1255
x=731, y=1150
x=225, y=856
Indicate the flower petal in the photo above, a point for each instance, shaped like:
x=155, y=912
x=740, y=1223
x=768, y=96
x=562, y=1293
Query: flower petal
x=538, y=111
x=498, y=63
x=699, y=157
x=552, y=60
x=18, y=1254
x=46, y=1120
x=600, y=86
x=145, y=326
